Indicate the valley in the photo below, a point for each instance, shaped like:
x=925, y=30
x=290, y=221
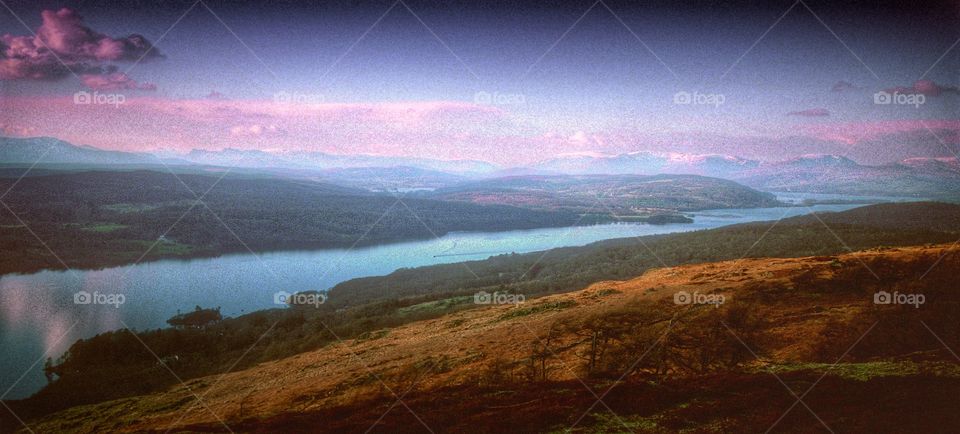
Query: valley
x=97, y=218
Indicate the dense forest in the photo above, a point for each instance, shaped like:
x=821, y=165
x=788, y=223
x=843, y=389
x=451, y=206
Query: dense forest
x=116, y=364
x=94, y=219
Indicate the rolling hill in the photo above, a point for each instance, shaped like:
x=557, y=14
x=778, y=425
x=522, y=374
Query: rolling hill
x=783, y=327
x=99, y=218
x=624, y=195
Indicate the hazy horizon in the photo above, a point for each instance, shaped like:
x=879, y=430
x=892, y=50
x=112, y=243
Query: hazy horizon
x=507, y=83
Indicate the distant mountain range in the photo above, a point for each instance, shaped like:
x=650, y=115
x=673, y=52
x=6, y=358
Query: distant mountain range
x=935, y=178
x=320, y=160
x=46, y=150
x=931, y=178
x=648, y=163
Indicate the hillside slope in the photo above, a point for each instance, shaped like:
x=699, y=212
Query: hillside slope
x=102, y=218
x=538, y=366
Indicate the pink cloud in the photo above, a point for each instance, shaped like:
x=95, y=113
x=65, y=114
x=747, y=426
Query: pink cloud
x=432, y=129
x=114, y=81
x=256, y=130
x=814, y=112
x=62, y=45
x=441, y=129
x=924, y=87
x=16, y=131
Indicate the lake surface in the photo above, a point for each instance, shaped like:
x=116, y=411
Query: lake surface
x=39, y=316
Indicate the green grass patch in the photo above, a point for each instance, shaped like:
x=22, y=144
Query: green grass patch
x=103, y=227
x=606, y=423
x=436, y=306
x=372, y=336
x=869, y=370
x=166, y=248
x=542, y=307
x=127, y=208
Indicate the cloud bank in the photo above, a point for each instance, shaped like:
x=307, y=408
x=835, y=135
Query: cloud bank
x=64, y=45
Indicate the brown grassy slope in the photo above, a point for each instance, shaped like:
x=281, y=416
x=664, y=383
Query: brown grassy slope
x=453, y=369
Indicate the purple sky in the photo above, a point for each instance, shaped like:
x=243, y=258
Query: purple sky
x=508, y=83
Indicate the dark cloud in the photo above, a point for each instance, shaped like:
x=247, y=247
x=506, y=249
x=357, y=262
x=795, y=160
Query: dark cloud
x=217, y=96
x=814, y=112
x=63, y=45
x=843, y=86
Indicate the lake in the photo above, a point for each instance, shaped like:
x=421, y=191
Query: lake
x=39, y=316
